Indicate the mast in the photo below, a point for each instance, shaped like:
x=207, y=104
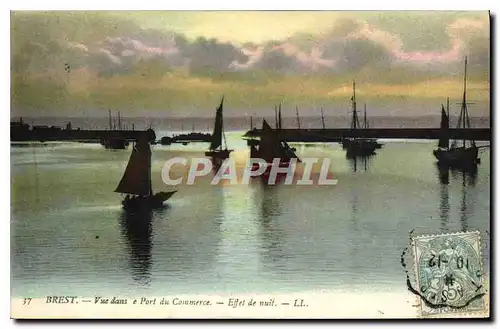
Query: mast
x=279, y=117
x=322, y=118
x=365, y=123
x=119, y=121
x=464, y=100
x=354, y=123
x=110, y=125
x=251, y=123
x=448, y=108
x=298, y=118
x=149, y=172
x=276, y=117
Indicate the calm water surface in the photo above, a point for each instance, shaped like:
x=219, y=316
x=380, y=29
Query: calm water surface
x=69, y=234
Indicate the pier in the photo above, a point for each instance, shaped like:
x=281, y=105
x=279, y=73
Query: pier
x=187, y=138
x=335, y=135
x=46, y=134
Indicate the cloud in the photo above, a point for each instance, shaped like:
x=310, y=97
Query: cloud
x=208, y=56
x=348, y=46
x=105, y=49
x=118, y=55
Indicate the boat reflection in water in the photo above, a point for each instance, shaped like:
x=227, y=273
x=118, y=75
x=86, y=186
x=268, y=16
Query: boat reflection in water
x=444, y=197
x=359, y=163
x=137, y=232
x=270, y=204
x=269, y=209
x=467, y=179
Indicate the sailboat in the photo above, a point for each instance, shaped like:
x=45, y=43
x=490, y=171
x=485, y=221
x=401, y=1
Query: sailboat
x=356, y=146
x=114, y=141
x=218, y=136
x=136, y=180
x=454, y=155
x=271, y=147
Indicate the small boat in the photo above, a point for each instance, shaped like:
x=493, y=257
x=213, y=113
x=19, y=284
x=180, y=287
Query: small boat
x=453, y=155
x=114, y=143
x=218, y=137
x=166, y=140
x=356, y=146
x=136, y=180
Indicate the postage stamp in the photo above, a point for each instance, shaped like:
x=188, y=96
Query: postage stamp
x=449, y=273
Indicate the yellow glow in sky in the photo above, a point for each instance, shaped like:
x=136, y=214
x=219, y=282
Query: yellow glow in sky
x=239, y=26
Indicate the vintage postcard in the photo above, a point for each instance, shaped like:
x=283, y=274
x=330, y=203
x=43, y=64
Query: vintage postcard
x=250, y=164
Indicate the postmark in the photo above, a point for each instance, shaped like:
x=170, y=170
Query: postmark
x=449, y=273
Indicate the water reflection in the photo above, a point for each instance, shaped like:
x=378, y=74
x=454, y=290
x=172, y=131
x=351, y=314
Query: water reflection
x=443, y=174
x=444, y=207
x=270, y=204
x=137, y=231
x=269, y=210
x=467, y=179
x=359, y=163
x=216, y=164
x=187, y=244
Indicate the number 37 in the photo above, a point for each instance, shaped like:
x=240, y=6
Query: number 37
x=26, y=301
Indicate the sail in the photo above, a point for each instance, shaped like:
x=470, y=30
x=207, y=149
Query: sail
x=137, y=177
x=269, y=143
x=445, y=121
x=444, y=141
x=287, y=152
x=217, y=134
x=266, y=128
x=271, y=147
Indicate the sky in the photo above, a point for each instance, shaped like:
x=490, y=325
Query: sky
x=83, y=63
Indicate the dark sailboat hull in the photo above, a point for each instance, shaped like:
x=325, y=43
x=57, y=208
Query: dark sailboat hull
x=284, y=163
x=457, y=157
x=115, y=143
x=252, y=142
x=360, y=147
x=219, y=154
x=346, y=143
x=147, y=202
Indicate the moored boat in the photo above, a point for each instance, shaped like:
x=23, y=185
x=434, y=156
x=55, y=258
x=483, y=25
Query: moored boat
x=136, y=180
x=356, y=146
x=219, y=137
x=455, y=156
x=270, y=147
